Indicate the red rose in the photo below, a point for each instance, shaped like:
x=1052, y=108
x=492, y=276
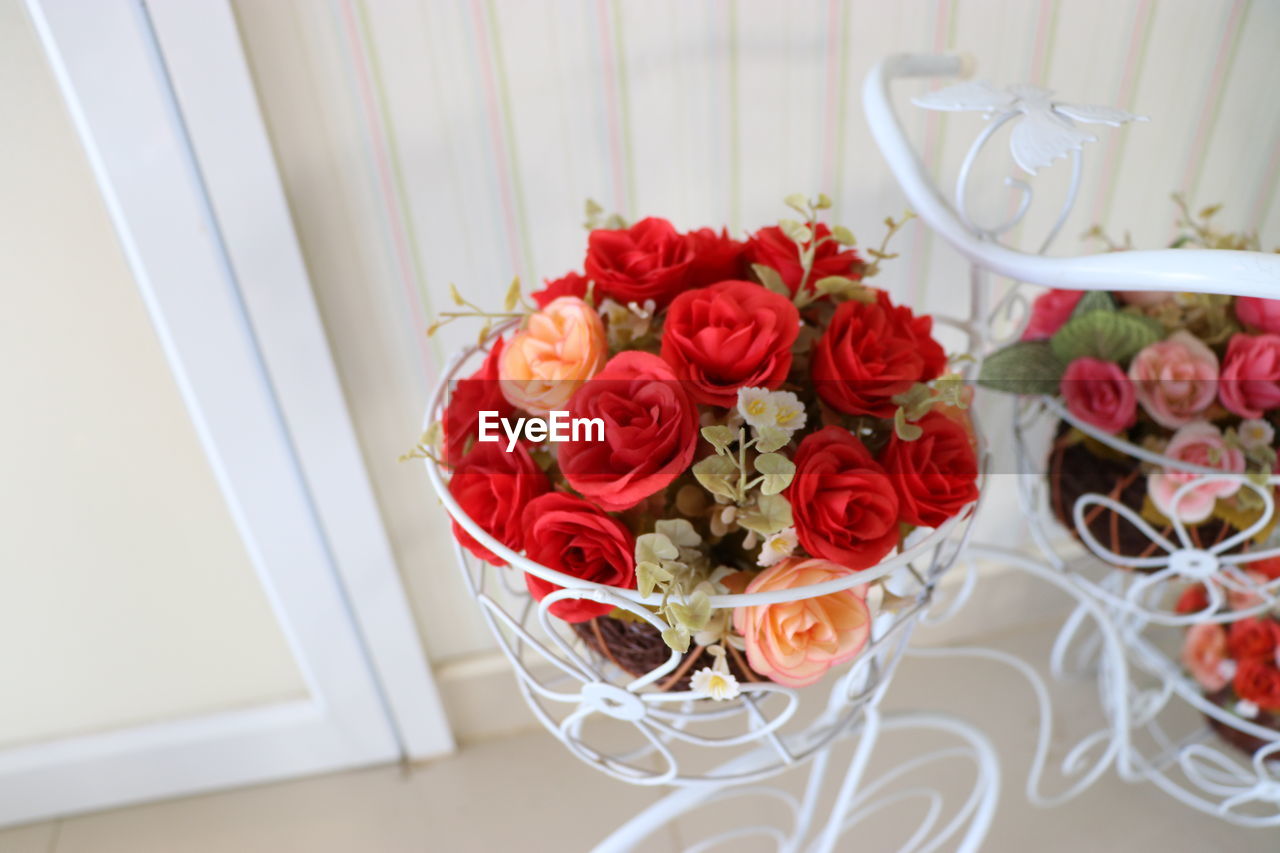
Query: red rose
x=871, y=352
x=1258, y=681
x=1050, y=310
x=1258, y=313
x=649, y=260
x=729, y=335
x=716, y=257
x=1194, y=599
x=570, y=284
x=771, y=248
x=1098, y=392
x=566, y=533
x=844, y=505
x=936, y=475
x=1249, y=384
x=493, y=487
x=479, y=392
x=650, y=432
x=1253, y=638
x=1268, y=567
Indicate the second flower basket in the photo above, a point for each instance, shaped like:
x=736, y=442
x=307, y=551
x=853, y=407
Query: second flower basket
x=705, y=488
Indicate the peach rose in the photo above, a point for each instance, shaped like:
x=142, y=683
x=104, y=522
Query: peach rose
x=794, y=643
x=1204, y=651
x=558, y=349
x=1175, y=379
x=1202, y=444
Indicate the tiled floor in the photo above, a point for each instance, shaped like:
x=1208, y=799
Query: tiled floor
x=526, y=793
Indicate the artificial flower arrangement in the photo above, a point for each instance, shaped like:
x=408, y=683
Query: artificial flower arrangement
x=768, y=421
x=1237, y=662
x=1192, y=377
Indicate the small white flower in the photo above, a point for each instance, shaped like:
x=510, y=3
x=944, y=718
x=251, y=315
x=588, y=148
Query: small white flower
x=716, y=680
x=777, y=547
x=720, y=686
x=644, y=312
x=790, y=414
x=1246, y=709
x=1256, y=434
x=757, y=406
x=1227, y=669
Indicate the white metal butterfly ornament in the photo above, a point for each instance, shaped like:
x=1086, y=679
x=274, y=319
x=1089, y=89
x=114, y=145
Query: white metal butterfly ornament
x=1046, y=130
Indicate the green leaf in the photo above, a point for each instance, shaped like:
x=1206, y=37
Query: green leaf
x=823, y=203
x=843, y=236
x=771, y=279
x=678, y=531
x=654, y=548
x=770, y=514
x=905, y=430
x=513, y=295
x=1027, y=367
x=455, y=295
x=797, y=232
x=838, y=285
x=693, y=615
x=797, y=202
x=1107, y=335
x=649, y=575
x=720, y=437
x=718, y=475
x=777, y=470
x=769, y=439
x=677, y=639
x=1094, y=300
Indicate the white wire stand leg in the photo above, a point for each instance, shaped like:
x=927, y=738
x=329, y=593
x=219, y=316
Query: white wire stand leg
x=834, y=804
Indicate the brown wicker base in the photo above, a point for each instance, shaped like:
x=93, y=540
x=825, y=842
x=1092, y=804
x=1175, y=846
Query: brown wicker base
x=1246, y=743
x=1074, y=470
x=637, y=648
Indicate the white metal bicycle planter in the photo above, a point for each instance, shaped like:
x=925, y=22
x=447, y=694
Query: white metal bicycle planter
x=1122, y=599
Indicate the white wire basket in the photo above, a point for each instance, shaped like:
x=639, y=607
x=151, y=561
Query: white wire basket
x=636, y=726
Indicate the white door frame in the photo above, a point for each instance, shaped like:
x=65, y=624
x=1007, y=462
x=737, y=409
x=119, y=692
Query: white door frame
x=161, y=97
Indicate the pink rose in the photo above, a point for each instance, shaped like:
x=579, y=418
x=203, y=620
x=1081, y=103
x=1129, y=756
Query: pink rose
x=796, y=642
x=1204, y=650
x=1098, y=393
x=1050, y=310
x=1202, y=444
x=1250, y=384
x=1258, y=313
x=1176, y=379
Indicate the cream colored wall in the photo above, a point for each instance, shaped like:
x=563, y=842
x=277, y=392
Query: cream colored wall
x=427, y=142
x=126, y=595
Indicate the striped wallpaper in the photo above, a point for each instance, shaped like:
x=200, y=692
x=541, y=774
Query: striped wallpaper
x=425, y=142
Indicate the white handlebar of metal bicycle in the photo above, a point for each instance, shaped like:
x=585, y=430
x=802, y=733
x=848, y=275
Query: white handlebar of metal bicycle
x=1184, y=270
